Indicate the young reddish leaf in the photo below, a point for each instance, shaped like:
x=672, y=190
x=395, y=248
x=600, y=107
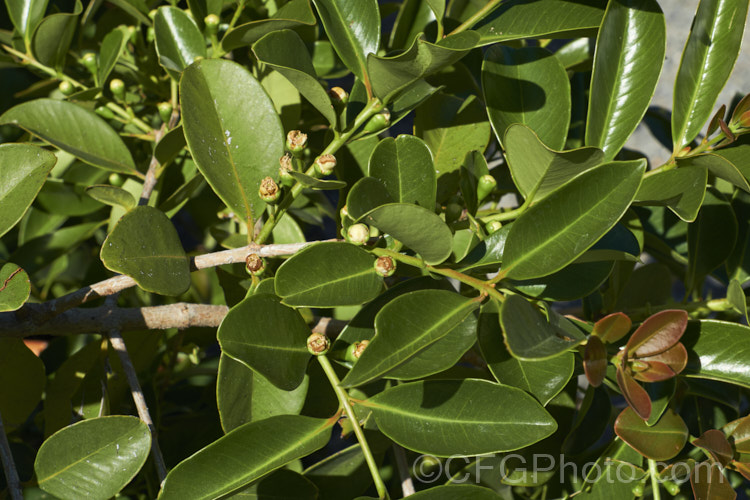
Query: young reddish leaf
x=716, y=444
x=675, y=357
x=612, y=327
x=661, y=441
x=714, y=123
x=743, y=468
x=595, y=361
x=656, y=372
x=658, y=333
x=741, y=435
x=741, y=108
x=634, y=394
x=709, y=483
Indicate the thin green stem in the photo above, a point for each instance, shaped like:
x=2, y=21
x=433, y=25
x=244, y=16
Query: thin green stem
x=476, y=17
x=654, y=479
x=237, y=13
x=349, y=411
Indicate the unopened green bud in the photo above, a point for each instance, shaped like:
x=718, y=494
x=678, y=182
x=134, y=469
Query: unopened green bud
x=325, y=164
x=493, y=226
x=269, y=191
x=285, y=166
x=318, y=344
x=104, y=112
x=344, y=213
x=212, y=23
x=672, y=487
x=150, y=34
x=638, y=490
x=338, y=95
x=296, y=142
x=355, y=350
x=152, y=14
x=117, y=87
x=116, y=179
x=66, y=88
x=385, y=266
x=255, y=264
x=378, y=122
x=89, y=61
x=486, y=185
x=374, y=232
x=453, y=209
x=358, y=234
x=165, y=111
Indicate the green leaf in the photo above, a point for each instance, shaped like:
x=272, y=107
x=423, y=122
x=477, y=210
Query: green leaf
x=199, y=9
x=488, y=254
x=710, y=238
x=623, y=468
x=23, y=170
x=295, y=13
x=232, y=131
x=315, y=183
x=661, y=441
x=52, y=37
x=170, y=145
x=401, y=335
x=158, y=265
x=243, y=395
x=26, y=15
x=268, y=337
x=416, y=227
x=280, y=484
x=389, y=75
x=543, y=379
x=94, y=458
x=457, y=492
x=707, y=61
x=284, y=437
x=516, y=19
x=529, y=86
x=404, y=165
x=111, y=195
x=354, y=31
x=539, y=170
x=530, y=336
x=15, y=287
x=719, y=165
x=447, y=417
x=285, y=52
x=735, y=296
x=328, y=274
x=179, y=42
x=718, y=350
x=113, y=45
x=412, y=19
x=23, y=377
x=39, y=252
x=367, y=194
x=680, y=189
x=561, y=227
x=75, y=130
x=628, y=59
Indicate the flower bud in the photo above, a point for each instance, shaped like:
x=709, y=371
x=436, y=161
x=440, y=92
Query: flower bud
x=325, y=164
x=150, y=34
x=269, y=191
x=116, y=179
x=358, y=234
x=255, y=264
x=378, y=122
x=89, y=60
x=296, y=142
x=318, y=344
x=285, y=166
x=212, y=23
x=338, y=95
x=485, y=186
x=66, y=88
x=453, y=209
x=344, y=213
x=104, y=112
x=355, y=350
x=672, y=487
x=638, y=490
x=385, y=266
x=117, y=87
x=165, y=111
x=493, y=226
x=152, y=14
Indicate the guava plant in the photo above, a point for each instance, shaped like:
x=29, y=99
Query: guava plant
x=349, y=249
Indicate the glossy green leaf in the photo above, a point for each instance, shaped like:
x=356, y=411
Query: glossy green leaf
x=315, y=183
x=416, y=227
x=405, y=167
x=561, y=227
x=412, y=19
x=170, y=145
x=736, y=297
x=721, y=166
x=542, y=379
x=111, y=195
x=75, y=130
x=530, y=336
x=285, y=52
x=280, y=484
x=22, y=375
x=268, y=337
x=158, y=265
x=472, y=170
x=15, y=286
x=401, y=335
x=680, y=189
x=354, y=31
x=516, y=19
x=113, y=45
x=457, y=492
x=661, y=441
x=488, y=254
x=718, y=350
x=710, y=238
x=232, y=152
x=295, y=13
x=617, y=476
x=389, y=75
x=94, y=458
x=26, y=15
x=242, y=461
x=447, y=417
x=243, y=395
x=367, y=194
x=52, y=37
x=629, y=55
x=539, y=170
x=328, y=274
x=179, y=42
x=707, y=61
x=572, y=282
x=23, y=169
x=529, y=86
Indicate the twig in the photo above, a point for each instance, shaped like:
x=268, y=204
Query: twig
x=407, y=485
x=150, y=181
x=118, y=344
x=9, y=466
